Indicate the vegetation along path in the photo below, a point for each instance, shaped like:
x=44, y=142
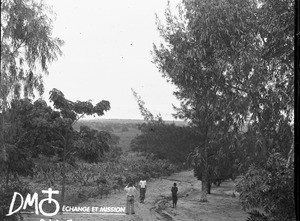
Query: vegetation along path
x=221, y=205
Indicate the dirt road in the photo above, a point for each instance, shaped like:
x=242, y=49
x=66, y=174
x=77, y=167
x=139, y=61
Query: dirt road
x=221, y=204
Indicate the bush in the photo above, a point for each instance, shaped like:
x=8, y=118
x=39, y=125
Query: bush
x=166, y=141
x=6, y=194
x=270, y=188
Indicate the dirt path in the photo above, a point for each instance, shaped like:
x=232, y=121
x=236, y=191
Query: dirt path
x=220, y=206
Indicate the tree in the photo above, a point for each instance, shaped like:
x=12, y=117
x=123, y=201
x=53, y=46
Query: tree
x=40, y=137
x=92, y=144
x=220, y=163
x=221, y=56
x=27, y=48
x=29, y=140
x=29, y=134
x=26, y=45
x=165, y=141
x=70, y=112
x=193, y=61
x=148, y=116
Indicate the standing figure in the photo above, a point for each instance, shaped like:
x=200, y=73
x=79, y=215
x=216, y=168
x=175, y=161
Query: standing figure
x=143, y=186
x=131, y=191
x=174, y=191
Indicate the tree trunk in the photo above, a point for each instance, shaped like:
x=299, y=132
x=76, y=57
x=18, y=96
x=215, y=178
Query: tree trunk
x=208, y=187
x=63, y=185
x=204, y=189
x=63, y=172
x=205, y=180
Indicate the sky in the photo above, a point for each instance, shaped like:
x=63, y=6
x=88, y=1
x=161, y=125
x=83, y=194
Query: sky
x=107, y=52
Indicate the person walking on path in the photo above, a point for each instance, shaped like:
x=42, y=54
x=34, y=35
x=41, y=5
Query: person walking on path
x=174, y=191
x=143, y=186
x=131, y=191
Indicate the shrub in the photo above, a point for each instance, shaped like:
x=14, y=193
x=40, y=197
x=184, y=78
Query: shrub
x=6, y=194
x=269, y=188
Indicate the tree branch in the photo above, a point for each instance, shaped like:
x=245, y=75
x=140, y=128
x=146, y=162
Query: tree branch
x=77, y=119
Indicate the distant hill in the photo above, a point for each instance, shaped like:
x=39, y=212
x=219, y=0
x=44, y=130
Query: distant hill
x=126, y=129
x=129, y=121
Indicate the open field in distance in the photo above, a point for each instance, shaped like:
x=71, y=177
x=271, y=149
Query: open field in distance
x=126, y=129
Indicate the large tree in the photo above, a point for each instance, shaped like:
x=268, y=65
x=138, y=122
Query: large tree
x=27, y=48
x=70, y=112
x=232, y=62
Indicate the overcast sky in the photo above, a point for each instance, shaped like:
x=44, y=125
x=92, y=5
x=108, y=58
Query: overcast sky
x=107, y=52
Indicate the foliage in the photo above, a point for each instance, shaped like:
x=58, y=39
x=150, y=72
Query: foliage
x=124, y=128
x=27, y=46
x=69, y=113
x=113, y=154
x=128, y=168
x=221, y=56
x=6, y=194
x=92, y=144
x=220, y=161
x=28, y=134
x=41, y=139
x=269, y=187
x=253, y=147
x=94, y=179
x=148, y=116
x=147, y=167
x=35, y=130
x=165, y=141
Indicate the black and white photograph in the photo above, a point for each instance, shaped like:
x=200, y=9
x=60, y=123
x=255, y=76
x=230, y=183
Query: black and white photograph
x=158, y=110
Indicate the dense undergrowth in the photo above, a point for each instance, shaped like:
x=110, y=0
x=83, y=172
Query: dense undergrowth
x=87, y=180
